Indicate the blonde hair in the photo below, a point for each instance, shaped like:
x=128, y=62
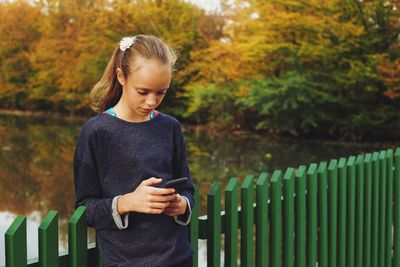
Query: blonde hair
x=107, y=92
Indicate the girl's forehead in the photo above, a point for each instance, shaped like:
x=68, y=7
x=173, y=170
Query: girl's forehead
x=151, y=74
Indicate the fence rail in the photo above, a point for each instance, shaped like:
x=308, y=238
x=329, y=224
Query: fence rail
x=343, y=212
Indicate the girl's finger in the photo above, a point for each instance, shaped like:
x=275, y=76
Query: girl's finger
x=173, y=205
x=162, y=191
x=151, y=181
x=157, y=198
x=159, y=205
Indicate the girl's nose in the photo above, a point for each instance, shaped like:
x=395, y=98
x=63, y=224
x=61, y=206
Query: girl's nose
x=150, y=101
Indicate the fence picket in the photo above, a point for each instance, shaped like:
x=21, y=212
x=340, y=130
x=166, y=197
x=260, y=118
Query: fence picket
x=351, y=209
x=231, y=223
x=332, y=214
x=77, y=238
x=262, y=223
x=382, y=208
x=396, y=214
x=359, y=218
x=288, y=218
x=342, y=204
x=312, y=215
x=194, y=228
x=48, y=240
x=214, y=225
x=300, y=217
x=367, y=209
x=16, y=245
x=388, y=205
x=323, y=215
x=375, y=210
x=276, y=219
x=247, y=222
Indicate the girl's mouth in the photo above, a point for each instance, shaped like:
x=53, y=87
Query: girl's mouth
x=147, y=110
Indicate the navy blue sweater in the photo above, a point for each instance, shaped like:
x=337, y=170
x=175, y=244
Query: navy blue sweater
x=112, y=157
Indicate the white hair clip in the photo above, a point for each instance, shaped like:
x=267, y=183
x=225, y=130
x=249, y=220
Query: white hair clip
x=126, y=43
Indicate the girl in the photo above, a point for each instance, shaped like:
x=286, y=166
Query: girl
x=125, y=155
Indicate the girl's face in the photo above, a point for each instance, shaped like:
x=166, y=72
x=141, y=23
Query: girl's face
x=145, y=88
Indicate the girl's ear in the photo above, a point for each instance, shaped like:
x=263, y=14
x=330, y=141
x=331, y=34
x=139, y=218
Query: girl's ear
x=120, y=76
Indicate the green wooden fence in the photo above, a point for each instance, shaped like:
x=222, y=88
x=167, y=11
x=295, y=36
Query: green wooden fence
x=342, y=213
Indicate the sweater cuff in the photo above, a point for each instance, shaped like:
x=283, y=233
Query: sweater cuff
x=120, y=221
x=184, y=219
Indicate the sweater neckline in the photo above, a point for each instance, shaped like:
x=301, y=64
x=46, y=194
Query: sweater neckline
x=131, y=123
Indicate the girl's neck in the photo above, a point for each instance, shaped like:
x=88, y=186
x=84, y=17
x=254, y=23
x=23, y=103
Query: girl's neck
x=125, y=113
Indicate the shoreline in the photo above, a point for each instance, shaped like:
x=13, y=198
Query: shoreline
x=37, y=114
x=199, y=129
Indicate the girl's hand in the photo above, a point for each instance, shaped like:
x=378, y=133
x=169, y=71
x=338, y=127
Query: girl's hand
x=177, y=206
x=146, y=198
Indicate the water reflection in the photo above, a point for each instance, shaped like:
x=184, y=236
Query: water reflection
x=36, y=166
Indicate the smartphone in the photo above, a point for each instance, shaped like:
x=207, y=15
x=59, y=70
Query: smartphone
x=177, y=184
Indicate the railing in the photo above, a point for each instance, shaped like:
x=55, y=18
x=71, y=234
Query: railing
x=345, y=213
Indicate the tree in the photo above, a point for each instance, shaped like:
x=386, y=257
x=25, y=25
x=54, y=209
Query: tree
x=313, y=62
x=19, y=34
x=80, y=36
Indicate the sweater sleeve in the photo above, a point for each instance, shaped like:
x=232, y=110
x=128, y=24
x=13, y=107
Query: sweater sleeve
x=181, y=168
x=99, y=212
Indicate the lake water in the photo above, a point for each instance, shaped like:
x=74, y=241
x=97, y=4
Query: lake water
x=36, y=166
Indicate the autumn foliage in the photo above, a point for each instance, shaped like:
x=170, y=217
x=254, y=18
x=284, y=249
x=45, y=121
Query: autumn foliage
x=390, y=73
x=318, y=67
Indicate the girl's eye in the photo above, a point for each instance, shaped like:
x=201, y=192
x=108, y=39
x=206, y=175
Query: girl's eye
x=147, y=92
